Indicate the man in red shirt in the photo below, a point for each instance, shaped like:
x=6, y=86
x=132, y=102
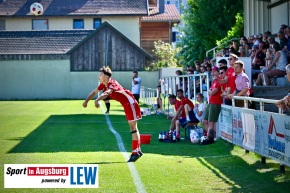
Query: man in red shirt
x=230, y=77
x=187, y=106
x=177, y=118
x=184, y=112
x=214, y=107
x=111, y=88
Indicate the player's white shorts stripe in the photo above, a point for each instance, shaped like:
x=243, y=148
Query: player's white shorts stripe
x=137, y=181
x=134, y=111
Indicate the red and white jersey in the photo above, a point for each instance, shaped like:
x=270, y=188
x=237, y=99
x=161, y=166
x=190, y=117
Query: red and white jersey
x=125, y=97
x=119, y=93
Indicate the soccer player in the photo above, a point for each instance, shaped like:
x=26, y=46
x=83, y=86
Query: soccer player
x=111, y=88
x=108, y=104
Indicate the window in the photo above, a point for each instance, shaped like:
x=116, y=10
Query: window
x=97, y=23
x=78, y=24
x=173, y=36
x=177, y=4
x=39, y=24
x=2, y=24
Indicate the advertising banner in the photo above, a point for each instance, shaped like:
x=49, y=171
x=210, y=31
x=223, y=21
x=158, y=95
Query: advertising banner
x=265, y=133
x=226, y=123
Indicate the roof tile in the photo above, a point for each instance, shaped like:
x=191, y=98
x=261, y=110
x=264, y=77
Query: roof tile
x=170, y=14
x=75, y=7
x=40, y=42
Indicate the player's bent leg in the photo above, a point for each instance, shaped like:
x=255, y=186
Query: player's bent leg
x=187, y=109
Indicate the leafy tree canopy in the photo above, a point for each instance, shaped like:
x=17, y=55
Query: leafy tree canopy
x=206, y=22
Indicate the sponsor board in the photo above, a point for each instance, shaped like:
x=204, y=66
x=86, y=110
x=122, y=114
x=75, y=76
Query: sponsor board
x=51, y=176
x=265, y=133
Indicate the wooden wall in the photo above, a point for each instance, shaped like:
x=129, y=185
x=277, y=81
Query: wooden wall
x=108, y=48
x=152, y=32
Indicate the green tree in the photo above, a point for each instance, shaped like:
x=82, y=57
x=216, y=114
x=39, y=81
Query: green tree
x=206, y=21
x=236, y=31
x=165, y=56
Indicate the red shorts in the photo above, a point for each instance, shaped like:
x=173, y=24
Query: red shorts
x=132, y=111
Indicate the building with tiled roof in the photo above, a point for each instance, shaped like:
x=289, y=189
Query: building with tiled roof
x=57, y=54
x=64, y=44
x=74, y=14
x=170, y=15
x=158, y=26
x=21, y=8
x=40, y=42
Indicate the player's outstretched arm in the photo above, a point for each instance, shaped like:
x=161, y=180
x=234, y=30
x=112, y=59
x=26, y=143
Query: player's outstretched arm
x=91, y=95
x=102, y=97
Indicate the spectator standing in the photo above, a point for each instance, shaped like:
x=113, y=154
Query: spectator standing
x=230, y=78
x=159, y=100
x=225, y=88
x=179, y=81
x=136, y=84
x=242, y=83
x=214, y=107
x=222, y=63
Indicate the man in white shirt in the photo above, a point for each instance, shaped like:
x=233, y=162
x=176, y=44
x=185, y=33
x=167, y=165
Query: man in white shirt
x=136, y=83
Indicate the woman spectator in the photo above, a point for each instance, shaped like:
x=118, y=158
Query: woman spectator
x=269, y=57
x=199, y=109
x=279, y=64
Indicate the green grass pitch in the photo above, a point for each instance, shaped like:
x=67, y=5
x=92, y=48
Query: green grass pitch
x=63, y=132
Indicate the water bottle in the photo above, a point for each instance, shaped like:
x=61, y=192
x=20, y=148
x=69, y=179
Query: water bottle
x=163, y=135
x=160, y=138
x=170, y=135
x=166, y=135
x=174, y=137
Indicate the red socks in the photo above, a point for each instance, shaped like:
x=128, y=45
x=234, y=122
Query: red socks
x=135, y=146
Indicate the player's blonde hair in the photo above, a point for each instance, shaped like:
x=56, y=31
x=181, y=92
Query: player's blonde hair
x=106, y=70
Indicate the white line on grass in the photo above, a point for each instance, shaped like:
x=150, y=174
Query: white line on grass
x=137, y=181
x=216, y=156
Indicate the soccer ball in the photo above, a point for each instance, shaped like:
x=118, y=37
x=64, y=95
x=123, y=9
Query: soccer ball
x=36, y=9
x=202, y=139
x=194, y=137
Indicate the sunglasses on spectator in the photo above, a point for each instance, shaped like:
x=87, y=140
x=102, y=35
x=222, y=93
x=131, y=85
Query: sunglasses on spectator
x=221, y=73
x=230, y=58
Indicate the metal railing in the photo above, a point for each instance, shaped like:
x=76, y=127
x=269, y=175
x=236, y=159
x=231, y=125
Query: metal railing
x=214, y=49
x=148, y=95
x=170, y=84
x=262, y=102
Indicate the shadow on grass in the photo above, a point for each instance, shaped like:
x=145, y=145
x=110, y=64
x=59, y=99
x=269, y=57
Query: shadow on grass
x=90, y=133
x=68, y=133
x=244, y=177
